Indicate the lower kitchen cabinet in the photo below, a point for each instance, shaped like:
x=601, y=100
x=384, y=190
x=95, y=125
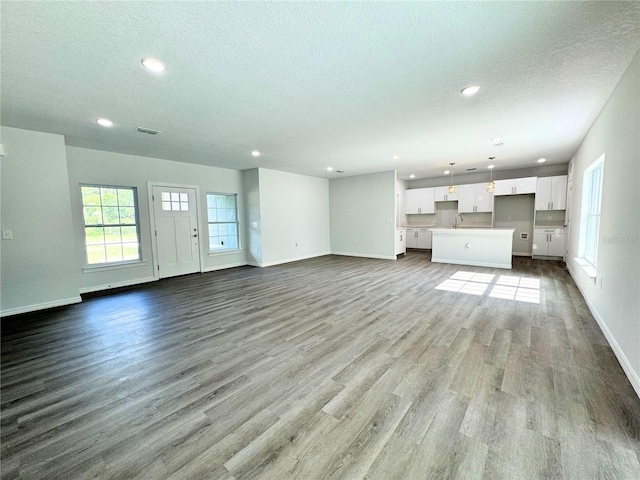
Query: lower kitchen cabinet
x=419, y=238
x=548, y=242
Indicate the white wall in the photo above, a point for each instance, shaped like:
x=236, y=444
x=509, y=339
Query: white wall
x=252, y=214
x=37, y=267
x=613, y=297
x=363, y=215
x=99, y=167
x=401, y=189
x=295, y=216
x=291, y=214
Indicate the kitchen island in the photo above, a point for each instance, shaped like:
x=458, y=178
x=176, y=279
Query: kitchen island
x=483, y=247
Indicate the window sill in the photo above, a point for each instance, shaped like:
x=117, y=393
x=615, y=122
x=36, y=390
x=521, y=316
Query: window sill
x=225, y=252
x=115, y=266
x=589, y=269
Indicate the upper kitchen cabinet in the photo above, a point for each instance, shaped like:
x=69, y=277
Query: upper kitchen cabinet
x=474, y=198
x=551, y=193
x=419, y=200
x=442, y=194
x=516, y=186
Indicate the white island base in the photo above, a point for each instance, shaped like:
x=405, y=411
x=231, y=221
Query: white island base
x=482, y=247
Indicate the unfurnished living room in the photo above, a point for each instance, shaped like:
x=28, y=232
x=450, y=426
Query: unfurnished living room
x=320, y=240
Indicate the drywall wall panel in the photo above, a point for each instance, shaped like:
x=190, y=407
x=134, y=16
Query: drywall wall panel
x=37, y=267
x=362, y=212
x=613, y=294
x=295, y=216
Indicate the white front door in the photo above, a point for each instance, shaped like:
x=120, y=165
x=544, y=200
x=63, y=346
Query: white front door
x=177, y=236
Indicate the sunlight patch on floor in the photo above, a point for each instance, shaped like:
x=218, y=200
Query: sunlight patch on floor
x=508, y=287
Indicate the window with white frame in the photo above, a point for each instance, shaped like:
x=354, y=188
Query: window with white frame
x=111, y=227
x=222, y=213
x=591, y=205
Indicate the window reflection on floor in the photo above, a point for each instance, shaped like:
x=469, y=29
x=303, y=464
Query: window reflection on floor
x=508, y=287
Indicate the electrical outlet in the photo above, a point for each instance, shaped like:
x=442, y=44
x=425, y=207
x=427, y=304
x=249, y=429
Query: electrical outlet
x=7, y=235
x=355, y=242
x=509, y=218
x=296, y=244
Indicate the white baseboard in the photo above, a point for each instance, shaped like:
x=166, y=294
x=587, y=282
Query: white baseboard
x=365, y=255
x=107, y=286
x=632, y=375
x=40, y=306
x=222, y=267
x=521, y=254
x=289, y=260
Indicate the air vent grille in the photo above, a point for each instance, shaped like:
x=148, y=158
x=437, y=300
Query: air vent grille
x=470, y=169
x=148, y=131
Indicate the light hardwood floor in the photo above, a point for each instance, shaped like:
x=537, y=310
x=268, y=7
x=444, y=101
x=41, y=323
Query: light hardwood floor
x=329, y=368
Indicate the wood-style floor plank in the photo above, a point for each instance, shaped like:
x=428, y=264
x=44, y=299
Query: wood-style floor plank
x=328, y=368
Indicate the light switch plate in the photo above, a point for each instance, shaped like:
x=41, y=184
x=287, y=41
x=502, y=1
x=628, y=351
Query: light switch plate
x=7, y=235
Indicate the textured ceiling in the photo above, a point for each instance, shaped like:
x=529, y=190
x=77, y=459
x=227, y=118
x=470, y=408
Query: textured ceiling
x=316, y=84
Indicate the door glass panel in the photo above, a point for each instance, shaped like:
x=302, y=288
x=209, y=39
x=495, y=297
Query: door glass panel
x=166, y=205
x=166, y=197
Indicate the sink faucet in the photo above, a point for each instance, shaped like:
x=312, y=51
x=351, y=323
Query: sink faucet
x=455, y=222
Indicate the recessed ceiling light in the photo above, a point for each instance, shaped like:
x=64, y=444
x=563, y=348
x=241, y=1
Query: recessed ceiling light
x=154, y=65
x=104, y=122
x=542, y=160
x=491, y=166
x=497, y=141
x=255, y=153
x=470, y=90
x=412, y=176
x=395, y=157
x=329, y=169
x=447, y=172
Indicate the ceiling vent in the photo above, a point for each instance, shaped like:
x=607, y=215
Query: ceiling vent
x=148, y=131
x=470, y=169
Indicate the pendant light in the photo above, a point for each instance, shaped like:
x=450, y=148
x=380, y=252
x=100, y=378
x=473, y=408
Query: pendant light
x=452, y=187
x=491, y=186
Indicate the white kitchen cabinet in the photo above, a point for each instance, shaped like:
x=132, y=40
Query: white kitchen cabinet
x=474, y=198
x=411, y=238
x=551, y=193
x=424, y=238
x=516, y=186
x=419, y=238
x=419, y=201
x=548, y=242
x=401, y=242
x=441, y=194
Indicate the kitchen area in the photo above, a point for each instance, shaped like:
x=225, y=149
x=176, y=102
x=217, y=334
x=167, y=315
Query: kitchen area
x=485, y=224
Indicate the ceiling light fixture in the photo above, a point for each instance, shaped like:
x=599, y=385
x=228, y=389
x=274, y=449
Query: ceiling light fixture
x=255, y=153
x=105, y=122
x=329, y=169
x=491, y=186
x=470, y=90
x=395, y=157
x=447, y=172
x=497, y=141
x=452, y=187
x=153, y=64
x=542, y=160
x=412, y=176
